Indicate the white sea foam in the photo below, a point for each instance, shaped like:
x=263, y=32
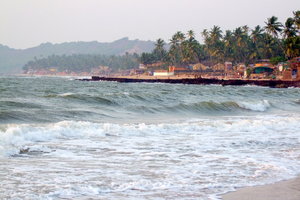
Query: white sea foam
x=201, y=158
x=15, y=136
x=66, y=94
x=255, y=106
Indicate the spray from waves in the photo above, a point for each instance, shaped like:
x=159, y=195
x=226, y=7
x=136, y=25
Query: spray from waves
x=14, y=138
x=257, y=106
x=26, y=138
x=297, y=101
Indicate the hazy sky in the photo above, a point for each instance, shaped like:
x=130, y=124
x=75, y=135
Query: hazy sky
x=27, y=23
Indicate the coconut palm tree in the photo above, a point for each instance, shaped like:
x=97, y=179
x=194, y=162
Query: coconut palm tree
x=297, y=20
x=228, y=45
x=159, y=52
x=180, y=36
x=191, y=34
x=216, y=33
x=289, y=28
x=174, y=52
x=241, y=44
x=213, y=44
x=160, y=44
x=256, y=34
x=292, y=47
x=190, y=50
x=256, y=37
x=205, y=35
x=273, y=27
x=292, y=41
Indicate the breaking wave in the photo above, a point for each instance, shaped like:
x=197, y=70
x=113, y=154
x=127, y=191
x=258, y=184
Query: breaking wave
x=18, y=138
x=226, y=106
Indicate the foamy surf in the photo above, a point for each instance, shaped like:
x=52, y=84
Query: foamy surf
x=200, y=157
x=62, y=139
x=255, y=106
x=15, y=136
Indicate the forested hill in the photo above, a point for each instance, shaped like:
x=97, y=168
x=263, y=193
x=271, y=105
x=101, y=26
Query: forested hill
x=12, y=60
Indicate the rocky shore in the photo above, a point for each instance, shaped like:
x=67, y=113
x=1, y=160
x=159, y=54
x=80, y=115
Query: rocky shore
x=200, y=81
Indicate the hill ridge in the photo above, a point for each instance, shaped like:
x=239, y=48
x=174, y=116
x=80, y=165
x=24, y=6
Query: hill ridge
x=12, y=60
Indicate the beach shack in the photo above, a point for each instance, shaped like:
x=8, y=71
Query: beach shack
x=262, y=69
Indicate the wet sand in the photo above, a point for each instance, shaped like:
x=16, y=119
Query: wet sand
x=284, y=190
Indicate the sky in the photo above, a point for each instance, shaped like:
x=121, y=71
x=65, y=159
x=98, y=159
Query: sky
x=28, y=23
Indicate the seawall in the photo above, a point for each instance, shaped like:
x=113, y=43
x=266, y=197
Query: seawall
x=201, y=81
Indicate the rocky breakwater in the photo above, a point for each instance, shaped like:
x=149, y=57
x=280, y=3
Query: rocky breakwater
x=200, y=81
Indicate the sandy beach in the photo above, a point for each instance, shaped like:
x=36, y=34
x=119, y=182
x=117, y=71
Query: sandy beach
x=283, y=190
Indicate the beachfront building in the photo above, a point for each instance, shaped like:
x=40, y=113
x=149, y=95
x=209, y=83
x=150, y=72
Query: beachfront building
x=228, y=67
x=261, y=72
x=263, y=69
x=179, y=70
x=234, y=72
x=162, y=73
x=292, y=71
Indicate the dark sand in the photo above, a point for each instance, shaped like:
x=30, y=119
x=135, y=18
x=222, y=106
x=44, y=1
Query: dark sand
x=284, y=190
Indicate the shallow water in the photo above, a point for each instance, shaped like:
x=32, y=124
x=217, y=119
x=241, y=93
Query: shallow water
x=65, y=139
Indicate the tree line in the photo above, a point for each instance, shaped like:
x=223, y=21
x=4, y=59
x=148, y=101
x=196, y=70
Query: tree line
x=83, y=62
x=275, y=41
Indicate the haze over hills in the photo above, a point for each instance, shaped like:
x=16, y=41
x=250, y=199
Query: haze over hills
x=12, y=60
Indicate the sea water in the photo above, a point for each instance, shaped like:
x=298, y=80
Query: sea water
x=65, y=139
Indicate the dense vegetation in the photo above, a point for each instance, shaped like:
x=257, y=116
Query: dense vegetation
x=83, y=63
x=12, y=60
x=275, y=41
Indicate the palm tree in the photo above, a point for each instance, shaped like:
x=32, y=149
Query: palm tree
x=297, y=19
x=216, y=33
x=159, y=52
x=292, y=47
x=292, y=41
x=189, y=49
x=228, y=45
x=160, y=44
x=180, y=36
x=256, y=34
x=245, y=29
x=213, y=44
x=241, y=47
x=174, y=49
x=190, y=34
x=273, y=27
x=205, y=35
x=256, y=37
x=289, y=29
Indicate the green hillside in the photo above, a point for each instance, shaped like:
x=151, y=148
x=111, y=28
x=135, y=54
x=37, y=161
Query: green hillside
x=13, y=60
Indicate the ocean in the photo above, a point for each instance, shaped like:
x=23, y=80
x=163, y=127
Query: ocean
x=61, y=138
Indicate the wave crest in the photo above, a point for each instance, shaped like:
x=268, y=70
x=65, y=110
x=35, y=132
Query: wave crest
x=227, y=106
x=16, y=139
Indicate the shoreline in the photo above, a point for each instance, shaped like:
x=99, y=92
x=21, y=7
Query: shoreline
x=199, y=81
x=282, y=190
